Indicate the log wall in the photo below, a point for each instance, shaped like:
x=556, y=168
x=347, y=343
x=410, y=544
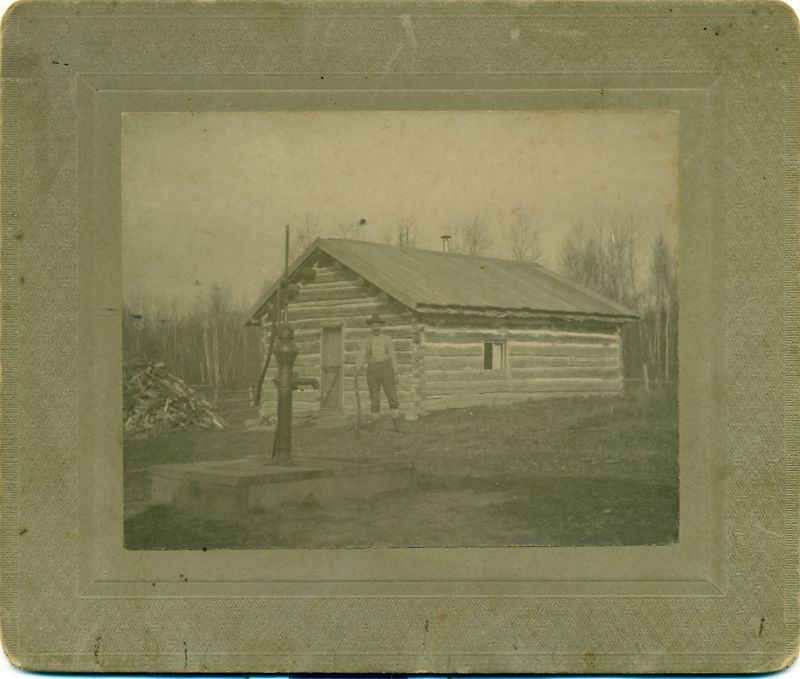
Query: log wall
x=541, y=362
x=440, y=360
x=337, y=297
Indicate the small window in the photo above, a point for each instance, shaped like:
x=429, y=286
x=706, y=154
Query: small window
x=494, y=355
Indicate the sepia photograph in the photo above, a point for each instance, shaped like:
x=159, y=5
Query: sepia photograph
x=400, y=329
x=399, y=337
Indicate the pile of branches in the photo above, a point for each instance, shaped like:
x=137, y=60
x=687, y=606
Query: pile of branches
x=155, y=401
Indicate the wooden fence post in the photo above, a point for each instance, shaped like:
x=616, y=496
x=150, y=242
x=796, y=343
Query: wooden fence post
x=645, y=378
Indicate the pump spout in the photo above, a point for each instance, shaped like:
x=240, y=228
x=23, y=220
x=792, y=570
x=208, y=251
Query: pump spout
x=299, y=382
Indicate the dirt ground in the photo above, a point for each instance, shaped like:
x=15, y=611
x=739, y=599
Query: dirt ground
x=577, y=471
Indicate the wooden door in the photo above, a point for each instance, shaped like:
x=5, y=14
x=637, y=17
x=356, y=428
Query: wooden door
x=332, y=369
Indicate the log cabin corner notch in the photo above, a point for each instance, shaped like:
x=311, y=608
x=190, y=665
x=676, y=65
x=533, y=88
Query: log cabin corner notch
x=467, y=330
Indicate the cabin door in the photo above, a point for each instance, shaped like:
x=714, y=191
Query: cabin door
x=332, y=369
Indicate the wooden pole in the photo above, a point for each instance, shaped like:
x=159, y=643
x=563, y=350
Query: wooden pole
x=644, y=377
x=286, y=277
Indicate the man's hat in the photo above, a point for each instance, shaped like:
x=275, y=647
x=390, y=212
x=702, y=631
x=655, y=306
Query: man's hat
x=375, y=319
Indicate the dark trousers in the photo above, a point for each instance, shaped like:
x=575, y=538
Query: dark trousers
x=381, y=375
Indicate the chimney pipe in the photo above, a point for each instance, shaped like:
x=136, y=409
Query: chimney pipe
x=445, y=243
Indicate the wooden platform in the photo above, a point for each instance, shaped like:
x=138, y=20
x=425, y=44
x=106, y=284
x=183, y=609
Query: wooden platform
x=221, y=487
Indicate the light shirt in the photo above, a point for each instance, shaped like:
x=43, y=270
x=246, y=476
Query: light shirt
x=376, y=349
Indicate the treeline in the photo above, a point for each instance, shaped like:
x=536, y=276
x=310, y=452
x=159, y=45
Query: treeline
x=470, y=235
x=202, y=342
x=609, y=257
x=206, y=342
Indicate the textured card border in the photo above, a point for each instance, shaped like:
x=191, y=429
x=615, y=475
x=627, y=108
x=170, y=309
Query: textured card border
x=55, y=617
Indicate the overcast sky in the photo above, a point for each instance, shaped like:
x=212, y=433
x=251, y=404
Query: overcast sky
x=206, y=195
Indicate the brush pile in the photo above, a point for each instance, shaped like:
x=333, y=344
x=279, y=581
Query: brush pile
x=155, y=401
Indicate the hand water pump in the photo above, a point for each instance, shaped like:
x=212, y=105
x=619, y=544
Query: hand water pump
x=285, y=355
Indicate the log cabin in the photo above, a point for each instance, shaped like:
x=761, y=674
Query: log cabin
x=467, y=330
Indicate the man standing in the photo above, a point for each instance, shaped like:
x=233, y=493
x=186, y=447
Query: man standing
x=377, y=353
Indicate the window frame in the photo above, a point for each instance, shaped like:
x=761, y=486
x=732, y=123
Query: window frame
x=494, y=343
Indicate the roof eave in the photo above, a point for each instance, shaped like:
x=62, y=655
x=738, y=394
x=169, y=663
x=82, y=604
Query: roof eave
x=259, y=309
x=532, y=313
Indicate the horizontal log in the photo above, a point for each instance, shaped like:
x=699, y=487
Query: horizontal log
x=518, y=352
x=343, y=304
x=476, y=400
x=400, y=346
x=305, y=363
x=517, y=385
x=522, y=343
x=404, y=376
x=570, y=337
x=346, y=292
x=353, y=338
x=523, y=374
x=404, y=347
x=454, y=336
x=432, y=363
x=337, y=283
x=577, y=350
x=331, y=275
x=453, y=363
x=436, y=348
x=403, y=366
x=307, y=366
x=312, y=368
x=352, y=313
x=403, y=380
x=458, y=335
x=400, y=341
x=611, y=359
x=480, y=338
x=527, y=355
x=405, y=360
x=556, y=334
x=314, y=345
x=350, y=322
x=397, y=324
x=565, y=321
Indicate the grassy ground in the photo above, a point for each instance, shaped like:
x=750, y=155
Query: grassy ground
x=579, y=471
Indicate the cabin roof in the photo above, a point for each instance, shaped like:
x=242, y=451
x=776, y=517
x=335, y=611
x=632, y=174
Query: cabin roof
x=430, y=280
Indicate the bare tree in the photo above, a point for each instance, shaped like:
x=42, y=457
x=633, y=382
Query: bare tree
x=605, y=258
x=305, y=235
x=405, y=232
x=664, y=301
x=524, y=237
x=471, y=236
x=204, y=342
x=357, y=229
x=582, y=257
x=621, y=261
